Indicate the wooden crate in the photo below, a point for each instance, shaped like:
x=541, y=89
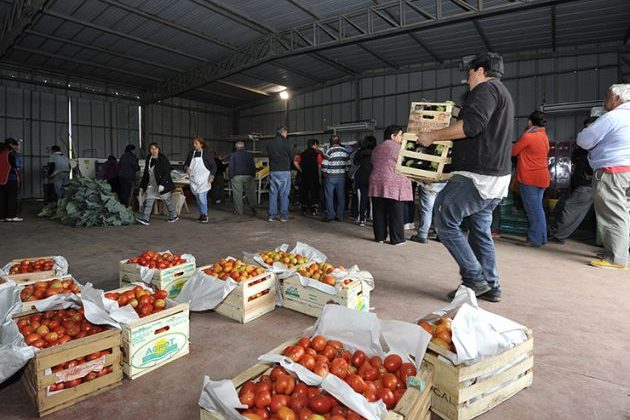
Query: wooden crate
x=37, y=275
x=414, y=405
x=37, y=375
x=170, y=279
x=311, y=301
x=430, y=116
x=433, y=175
x=238, y=306
x=458, y=391
x=29, y=307
x=145, y=349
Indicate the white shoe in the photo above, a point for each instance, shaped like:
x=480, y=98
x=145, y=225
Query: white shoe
x=410, y=226
x=14, y=219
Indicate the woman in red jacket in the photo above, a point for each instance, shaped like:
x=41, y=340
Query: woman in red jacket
x=532, y=174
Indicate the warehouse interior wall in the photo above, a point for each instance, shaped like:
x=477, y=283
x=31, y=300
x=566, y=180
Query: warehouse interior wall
x=100, y=126
x=567, y=76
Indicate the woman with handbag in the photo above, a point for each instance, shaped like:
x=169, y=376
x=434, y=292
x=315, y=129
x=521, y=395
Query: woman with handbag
x=157, y=185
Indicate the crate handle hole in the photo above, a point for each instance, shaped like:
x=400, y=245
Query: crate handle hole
x=163, y=329
x=178, y=274
x=428, y=117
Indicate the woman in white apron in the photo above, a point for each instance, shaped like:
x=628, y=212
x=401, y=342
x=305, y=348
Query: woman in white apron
x=201, y=168
x=157, y=184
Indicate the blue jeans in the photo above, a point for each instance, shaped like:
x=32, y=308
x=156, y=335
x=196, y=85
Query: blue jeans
x=334, y=186
x=202, y=202
x=279, y=186
x=532, y=197
x=428, y=194
x=475, y=256
x=60, y=181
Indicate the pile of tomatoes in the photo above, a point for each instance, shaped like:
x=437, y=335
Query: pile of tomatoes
x=153, y=259
x=90, y=376
x=53, y=328
x=43, y=289
x=141, y=300
x=26, y=266
x=287, y=258
x=320, y=272
x=441, y=333
x=235, y=269
x=372, y=377
x=281, y=396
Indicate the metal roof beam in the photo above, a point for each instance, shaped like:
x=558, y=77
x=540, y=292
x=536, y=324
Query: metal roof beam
x=124, y=35
x=482, y=35
x=378, y=57
x=233, y=14
x=277, y=46
x=21, y=16
x=424, y=46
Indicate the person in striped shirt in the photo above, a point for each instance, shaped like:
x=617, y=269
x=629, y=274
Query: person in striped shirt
x=334, y=167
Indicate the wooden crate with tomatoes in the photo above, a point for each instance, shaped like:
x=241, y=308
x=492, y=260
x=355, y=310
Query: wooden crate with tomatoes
x=29, y=269
x=82, y=361
x=463, y=392
x=255, y=294
x=414, y=403
x=159, y=337
x=171, y=271
x=35, y=290
x=310, y=301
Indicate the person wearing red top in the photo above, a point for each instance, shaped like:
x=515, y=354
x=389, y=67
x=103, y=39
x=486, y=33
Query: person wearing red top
x=532, y=174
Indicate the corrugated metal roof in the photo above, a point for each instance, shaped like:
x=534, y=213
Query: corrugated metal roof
x=577, y=22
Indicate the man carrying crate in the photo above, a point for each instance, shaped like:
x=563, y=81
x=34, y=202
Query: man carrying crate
x=481, y=171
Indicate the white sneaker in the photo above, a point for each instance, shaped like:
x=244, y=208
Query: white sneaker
x=410, y=226
x=15, y=219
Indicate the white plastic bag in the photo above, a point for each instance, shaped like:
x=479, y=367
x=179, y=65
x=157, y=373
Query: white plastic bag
x=477, y=333
x=99, y=310
x=203, y=292
x=60, y=267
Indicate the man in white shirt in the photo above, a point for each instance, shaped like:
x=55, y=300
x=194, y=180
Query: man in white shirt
x=608, y=143
x=482, y=168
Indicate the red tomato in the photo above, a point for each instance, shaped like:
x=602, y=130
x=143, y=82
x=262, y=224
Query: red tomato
x=295, y=353
x=390, y=381
x=300, y=390
x=248, y=399
x=277, y=371
x=388, y=398
x=308, y=361
x=338, y=371
x=329, y=352
x=51, y=337
x=278, y=401
x=262, y=386
x=406, y=370
x=263, y=399
x=304, y=342
x=358, y=358
x=312, y=392
x=146, y=309
x=356, y=382
x=297, y=402
x=321, y=369
x=320, y=404
x=160, y=294
x=73, y=383
x=318, y=343
x=285, y=384
x=370, y=374
x=376, y=362
x=392, y=363
x=305, y=414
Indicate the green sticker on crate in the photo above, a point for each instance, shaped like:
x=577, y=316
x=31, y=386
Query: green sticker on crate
x=157, y=351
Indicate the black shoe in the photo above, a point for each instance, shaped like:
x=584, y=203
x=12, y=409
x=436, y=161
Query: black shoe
x=494, y=295
x=433, y=235
x=479, y=288
x=557, y=240
x=142, y=221
x=336, y=219
x=203, y=219
x=417, y=238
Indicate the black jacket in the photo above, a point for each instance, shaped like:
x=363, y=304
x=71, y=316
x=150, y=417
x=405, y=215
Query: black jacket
x=162, y=174
x=363, y=158
x=310, y=167
x=280, y=154
x=208, y=161
x=128, y=166
x=488, y=116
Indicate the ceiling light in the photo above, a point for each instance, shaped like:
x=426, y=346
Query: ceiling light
x=284, y=95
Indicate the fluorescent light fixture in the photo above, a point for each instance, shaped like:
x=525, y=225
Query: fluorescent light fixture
x=284, y=95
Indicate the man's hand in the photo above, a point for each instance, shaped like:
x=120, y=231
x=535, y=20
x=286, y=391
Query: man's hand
x=425, y=139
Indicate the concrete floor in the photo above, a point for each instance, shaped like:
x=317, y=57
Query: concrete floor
x=579, y=314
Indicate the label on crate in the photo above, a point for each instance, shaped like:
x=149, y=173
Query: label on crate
x=159, y=350
x=175, y=288
x=81, y=370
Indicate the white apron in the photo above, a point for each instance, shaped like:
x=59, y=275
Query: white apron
x=199, y=175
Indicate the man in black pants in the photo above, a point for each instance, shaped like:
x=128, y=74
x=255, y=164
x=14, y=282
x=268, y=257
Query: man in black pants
x=309, y=163
x=481, y=175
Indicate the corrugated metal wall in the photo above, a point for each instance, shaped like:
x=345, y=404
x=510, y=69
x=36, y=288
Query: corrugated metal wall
x=173, y=124
x=101, y=126
x=387, y=98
